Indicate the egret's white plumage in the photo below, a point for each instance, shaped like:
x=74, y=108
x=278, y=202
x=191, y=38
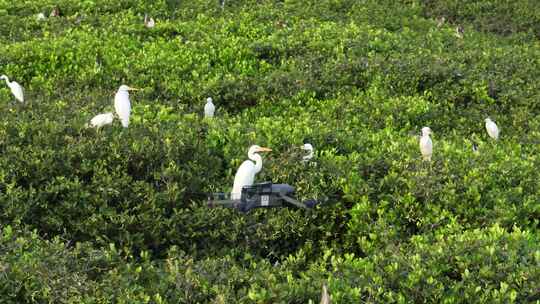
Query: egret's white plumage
x=16, y=88
x=149, y=22
x=426, y=145
x=247, y=170
x=122, y=105
x=55, y=12
x=492, y=129
x=459, y=32
x=101, y=120
x=325, y=297
x=309, y=149
x=209, y=108
x=475, y=148
x=41, y=16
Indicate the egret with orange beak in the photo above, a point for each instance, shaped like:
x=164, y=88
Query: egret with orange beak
x=122, y=105
x=247, y=170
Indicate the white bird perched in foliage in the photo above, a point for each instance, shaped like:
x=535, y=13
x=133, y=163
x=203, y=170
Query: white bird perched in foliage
x=325, y=297
x=309, y=149
x=101, y=120
x=149, y=22
x=492, y=129
x=16, y=88
x=247, y=170
x=209, y=108
x=122, y=104
x=55, y=12
x=475, y=148
x=426, y=145
x=459, y=32
x=41, y=16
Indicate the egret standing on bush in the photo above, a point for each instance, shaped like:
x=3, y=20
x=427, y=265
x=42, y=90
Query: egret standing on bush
x=309, y=149
x=149, y=22
x=209, y=108
x=247, y=170
x=40, y=17
x=492, y=129
x=475, y=148
x=122, y=105
x=101, y=120
x=16, y=88
x=325, y=297
x=426, y=145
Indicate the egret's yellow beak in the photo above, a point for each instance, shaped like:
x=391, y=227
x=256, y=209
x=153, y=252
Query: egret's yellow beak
x=133, y=89
x=263, y=149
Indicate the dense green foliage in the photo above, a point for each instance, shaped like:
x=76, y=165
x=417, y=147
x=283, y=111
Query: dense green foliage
x=464, y=267
x=118, y=214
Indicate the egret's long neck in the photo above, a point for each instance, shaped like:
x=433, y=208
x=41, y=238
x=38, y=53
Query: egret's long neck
x=258, y=161
x=5, y=78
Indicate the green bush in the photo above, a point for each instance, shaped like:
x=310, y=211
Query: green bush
x=451, y=265
x=500, y=17
x=357, y=79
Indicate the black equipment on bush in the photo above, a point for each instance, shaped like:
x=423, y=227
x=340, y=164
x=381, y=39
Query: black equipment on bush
x=262, y=195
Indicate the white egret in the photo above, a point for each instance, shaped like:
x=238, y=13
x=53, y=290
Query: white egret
x=459, y=32
x=55, y=12
x=475, y=148
x=149, y=22
x=122, y=104
x=209, y=108
x=309, y=149
x=440, y=21
x=16, y=88
x=325, y=297
x=101, y=120
x=492, y=129
x=247, y=170
x=40, y=17
x=426, y=145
